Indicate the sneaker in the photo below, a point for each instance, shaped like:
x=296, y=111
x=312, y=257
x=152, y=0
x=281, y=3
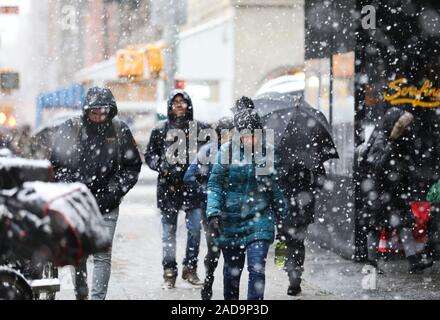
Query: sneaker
x=294, y=290
x=207, y=288
x=190, y=275
x=169, y=277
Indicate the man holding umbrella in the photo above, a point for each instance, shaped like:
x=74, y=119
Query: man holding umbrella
x=304, y=142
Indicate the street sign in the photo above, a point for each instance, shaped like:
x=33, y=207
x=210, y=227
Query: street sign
x=9, y=80
x=9, y=10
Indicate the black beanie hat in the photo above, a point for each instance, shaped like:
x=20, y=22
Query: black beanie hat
x=247, y=119
x=243, y=103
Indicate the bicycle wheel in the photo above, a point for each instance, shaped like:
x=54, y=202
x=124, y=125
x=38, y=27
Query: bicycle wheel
x=13, y=286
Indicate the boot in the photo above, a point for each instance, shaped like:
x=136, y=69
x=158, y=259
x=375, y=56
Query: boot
x=207, y=288
x=294, y=286
x=419, y=262
x=169, y=277
x=426, y=259
x=293, y=290
x=190, y=275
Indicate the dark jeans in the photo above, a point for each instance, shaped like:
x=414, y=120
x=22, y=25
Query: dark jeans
x=295, y=254
x=169, y=229
x=234, y=263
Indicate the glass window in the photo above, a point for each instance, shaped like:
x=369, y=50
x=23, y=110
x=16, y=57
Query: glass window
x=317, y=90
x=330, y=89
x=343, y=112
x=203, y=90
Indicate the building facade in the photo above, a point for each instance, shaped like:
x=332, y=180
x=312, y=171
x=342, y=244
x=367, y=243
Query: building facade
x=229, y=48
x=362, y=58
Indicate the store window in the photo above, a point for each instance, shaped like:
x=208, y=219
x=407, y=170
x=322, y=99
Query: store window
x=343, y=111
x=317, y=89
x=330, y=89
x=203, y=90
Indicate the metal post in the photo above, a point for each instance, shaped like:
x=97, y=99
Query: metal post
x=171, y=37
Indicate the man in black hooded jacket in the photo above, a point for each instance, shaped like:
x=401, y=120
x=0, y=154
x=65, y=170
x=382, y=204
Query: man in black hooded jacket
x=172, y=193
x=96, y=149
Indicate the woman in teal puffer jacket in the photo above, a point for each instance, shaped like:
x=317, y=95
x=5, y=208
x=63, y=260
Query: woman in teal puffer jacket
x=243, y=210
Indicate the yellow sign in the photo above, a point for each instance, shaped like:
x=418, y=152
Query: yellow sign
x=155, y=59
x=130, y=63
x=426, y=96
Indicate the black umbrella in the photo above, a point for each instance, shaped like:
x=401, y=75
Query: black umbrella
x=302, y=133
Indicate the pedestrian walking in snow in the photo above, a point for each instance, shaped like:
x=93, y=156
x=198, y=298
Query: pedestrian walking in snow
x=98, y=150
x=172, y=194
x=243, y=210
x=301, y=188
x=196, y=178
x=301, y=171
x=399, y=177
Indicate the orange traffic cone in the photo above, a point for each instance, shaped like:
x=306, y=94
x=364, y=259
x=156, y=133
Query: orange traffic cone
x=383, y=242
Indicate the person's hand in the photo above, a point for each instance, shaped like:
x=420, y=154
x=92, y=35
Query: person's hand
x=280, y=237
x=164, y=168
x=107, y=200
x=171, y=170
x=281, y=231
x=214, y=228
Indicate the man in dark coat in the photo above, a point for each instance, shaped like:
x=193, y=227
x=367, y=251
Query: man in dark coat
x=399, y=175
x=172, y=194
x=98, y=150
x=300, y=186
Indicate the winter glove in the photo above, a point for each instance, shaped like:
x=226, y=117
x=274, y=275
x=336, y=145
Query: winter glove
x=214, y=227
x=282, y=230
x=280, y=236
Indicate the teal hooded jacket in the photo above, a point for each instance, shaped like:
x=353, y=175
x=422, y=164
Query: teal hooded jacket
x=249, y=206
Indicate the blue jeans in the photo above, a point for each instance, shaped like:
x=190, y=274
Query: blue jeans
x=169, y=229
x=101, y=266
x=234, y=263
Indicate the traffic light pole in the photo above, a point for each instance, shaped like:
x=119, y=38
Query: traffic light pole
x=171, y=37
